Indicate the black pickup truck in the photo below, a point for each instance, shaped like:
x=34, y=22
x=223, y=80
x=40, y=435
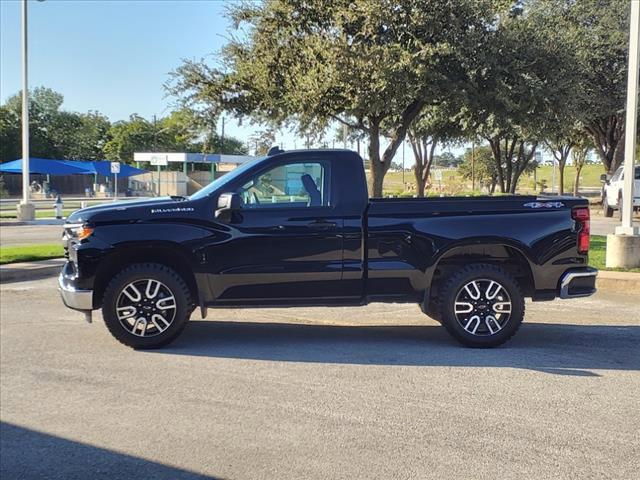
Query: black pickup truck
x=298, y=229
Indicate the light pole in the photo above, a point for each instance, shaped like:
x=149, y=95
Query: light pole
x=26, y=210
x=631, y=125
x=623, y=248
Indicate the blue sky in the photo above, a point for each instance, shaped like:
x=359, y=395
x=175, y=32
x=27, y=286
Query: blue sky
x=112, y=56
x=115, y=55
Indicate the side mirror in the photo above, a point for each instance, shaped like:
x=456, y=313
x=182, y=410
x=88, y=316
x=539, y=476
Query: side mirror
x=228, y=203
x=603, y=178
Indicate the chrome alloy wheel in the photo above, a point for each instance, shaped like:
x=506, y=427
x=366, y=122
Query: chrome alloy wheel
x=482, y=307
x=146, y=307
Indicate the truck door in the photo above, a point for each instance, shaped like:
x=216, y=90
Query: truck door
x=286, y=243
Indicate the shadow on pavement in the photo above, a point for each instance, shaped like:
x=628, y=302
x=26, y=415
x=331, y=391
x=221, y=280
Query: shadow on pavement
x=28, y=454
x=552, y=348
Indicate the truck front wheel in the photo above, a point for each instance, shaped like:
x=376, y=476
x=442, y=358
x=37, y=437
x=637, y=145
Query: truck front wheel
x=481, y=305
x=147, y=305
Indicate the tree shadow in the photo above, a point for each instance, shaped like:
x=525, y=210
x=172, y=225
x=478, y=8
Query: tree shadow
x=28, y=454
x=547, y=347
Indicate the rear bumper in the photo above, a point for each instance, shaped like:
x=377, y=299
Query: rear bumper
x=73, y=297
x=578, y=283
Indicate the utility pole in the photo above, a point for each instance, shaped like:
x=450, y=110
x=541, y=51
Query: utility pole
x=26, y=210
x=155, y=142
x=345, y=132
x=631, y=125
x=222, y=137
x=473, y=165
x=623, y=247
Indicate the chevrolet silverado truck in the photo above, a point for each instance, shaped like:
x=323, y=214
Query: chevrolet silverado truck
x=298, y=229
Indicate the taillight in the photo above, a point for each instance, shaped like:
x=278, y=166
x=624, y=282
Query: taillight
x=582, y=216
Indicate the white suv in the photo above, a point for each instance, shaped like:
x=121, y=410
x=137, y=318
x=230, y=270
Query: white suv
x=612, y=192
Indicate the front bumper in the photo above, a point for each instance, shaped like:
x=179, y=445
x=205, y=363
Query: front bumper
x=73, y=297
x=578, y=283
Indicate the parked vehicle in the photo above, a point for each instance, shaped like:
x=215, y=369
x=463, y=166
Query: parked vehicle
x=612, y=192
x=298, y=229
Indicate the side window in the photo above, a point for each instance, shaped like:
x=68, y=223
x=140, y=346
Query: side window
x=292, y=185
x=617, y=176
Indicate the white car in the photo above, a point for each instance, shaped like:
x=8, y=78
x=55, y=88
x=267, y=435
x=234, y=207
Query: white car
x=612, y=192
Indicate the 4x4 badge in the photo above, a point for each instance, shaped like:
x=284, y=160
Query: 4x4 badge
x=544, y=205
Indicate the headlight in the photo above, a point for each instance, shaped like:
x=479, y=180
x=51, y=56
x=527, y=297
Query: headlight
x=78, y=231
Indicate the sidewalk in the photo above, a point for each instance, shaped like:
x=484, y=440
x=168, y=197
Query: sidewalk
x=23, y=271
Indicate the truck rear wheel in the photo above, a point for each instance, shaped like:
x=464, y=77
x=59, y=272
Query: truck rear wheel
x=147, y=305
x=607, y=211
x=481, y=305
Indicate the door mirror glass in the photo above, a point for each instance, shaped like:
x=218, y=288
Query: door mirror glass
x=227, y=204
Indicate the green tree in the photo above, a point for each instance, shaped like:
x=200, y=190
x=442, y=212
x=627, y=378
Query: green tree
x=560, y=144
x=479, y=165
x=519, y=83
x=598, y=36
x=134, y=135
x=370, y=65
x=433, y=127
x=53, y=132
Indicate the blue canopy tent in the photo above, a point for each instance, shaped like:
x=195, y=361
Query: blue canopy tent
x=103, y=167
x=46, y=166
x=49, y=167
x=43, y=166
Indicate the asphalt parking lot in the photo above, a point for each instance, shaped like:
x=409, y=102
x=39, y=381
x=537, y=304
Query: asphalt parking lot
x=317, y=393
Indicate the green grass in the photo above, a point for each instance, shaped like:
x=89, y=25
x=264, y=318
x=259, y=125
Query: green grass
x=39, y=213
x=597, y=254
x=28, y=253
x=454, y=184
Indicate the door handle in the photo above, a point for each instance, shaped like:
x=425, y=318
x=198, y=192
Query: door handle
x=322, y=225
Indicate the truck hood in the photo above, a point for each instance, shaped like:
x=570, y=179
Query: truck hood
x=133, y=210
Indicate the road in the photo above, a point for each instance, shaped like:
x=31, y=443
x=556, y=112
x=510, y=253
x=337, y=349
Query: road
x=317, y=393
x=29, y=234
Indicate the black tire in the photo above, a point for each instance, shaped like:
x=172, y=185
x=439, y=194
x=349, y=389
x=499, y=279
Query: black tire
x=150, y=334
x=483, y=335
x=607, y=211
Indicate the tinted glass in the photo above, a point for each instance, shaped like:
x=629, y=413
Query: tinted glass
x=292, y=185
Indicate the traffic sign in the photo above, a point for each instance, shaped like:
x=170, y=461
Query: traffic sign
x=115, y=167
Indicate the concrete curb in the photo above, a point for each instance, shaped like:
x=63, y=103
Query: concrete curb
x=20, y=272
x=42, y=221
x=627, y=282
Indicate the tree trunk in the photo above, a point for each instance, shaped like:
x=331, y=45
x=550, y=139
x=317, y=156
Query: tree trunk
x=523, y=159
x=497, y=157
x=561, y=178
x=576, y=183
x=380, y=165
x=423, y=152
x=376, y=177
x=607, y=134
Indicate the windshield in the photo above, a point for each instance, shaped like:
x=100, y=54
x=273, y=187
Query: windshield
x=219, y=183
